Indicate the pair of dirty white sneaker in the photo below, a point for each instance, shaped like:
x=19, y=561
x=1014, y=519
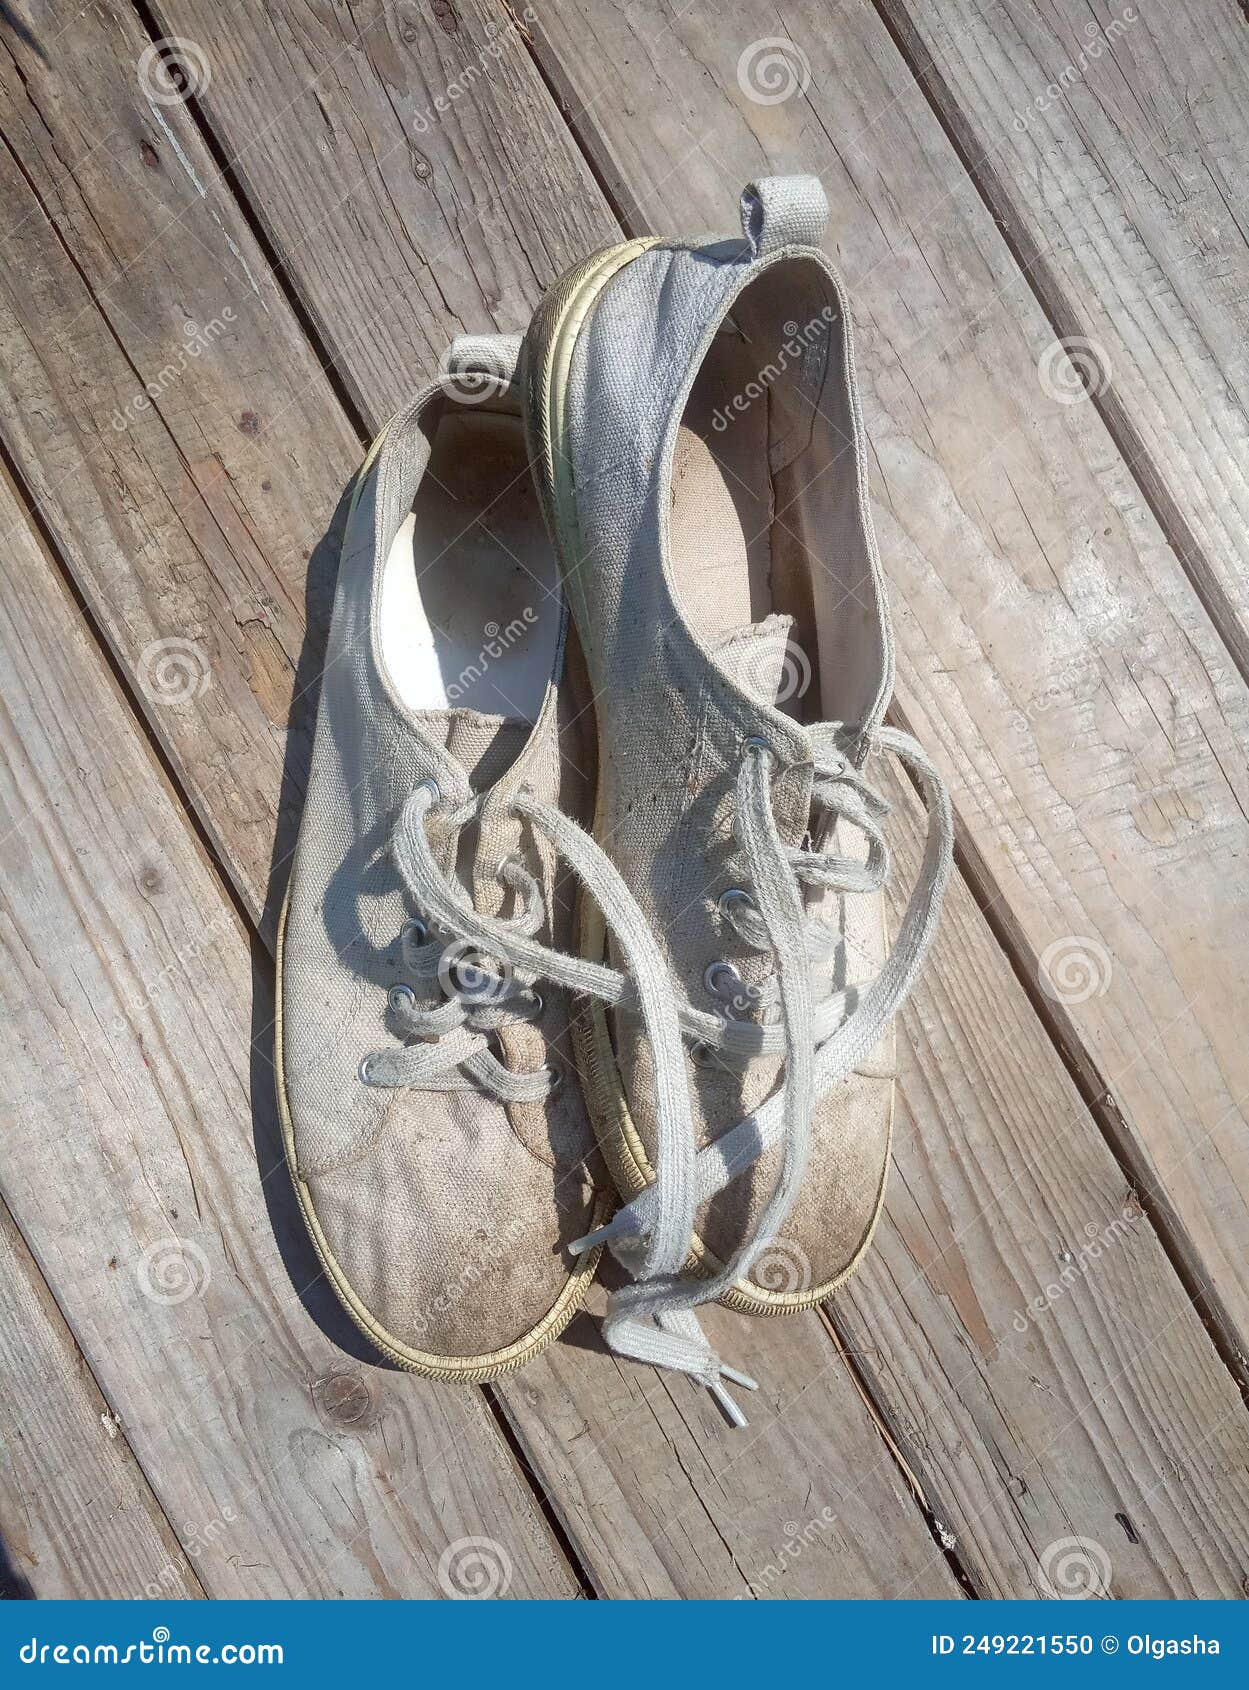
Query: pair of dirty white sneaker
x=585, y=942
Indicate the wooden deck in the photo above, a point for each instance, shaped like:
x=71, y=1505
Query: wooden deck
x=206, y=306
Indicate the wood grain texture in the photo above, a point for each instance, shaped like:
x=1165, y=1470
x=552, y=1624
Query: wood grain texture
x=1053, y=655
x=292, y=455
x=143, y=1160
x=662, y=1502
x=1112, y=145
x=1018, y=1321
x=77, y=1518
x=404, y=161
x=156, y=384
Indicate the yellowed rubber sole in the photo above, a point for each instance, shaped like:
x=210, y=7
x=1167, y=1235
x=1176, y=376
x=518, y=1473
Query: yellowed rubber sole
x=550, y=343
x=462, y=1369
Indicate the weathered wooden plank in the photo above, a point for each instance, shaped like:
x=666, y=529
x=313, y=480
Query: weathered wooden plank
x=999, y=1545
x=405, y=164
x=1021, y=1327
x=143, y=1159
x=77, y=1517
x=288, y=487
x=155, y=383
x=1112, y=143
x=661, y=1501
x=1052, y=653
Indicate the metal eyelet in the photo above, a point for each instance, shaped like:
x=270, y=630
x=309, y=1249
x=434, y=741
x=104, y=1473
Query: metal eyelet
x=468, y=979
x=754, y=743
x=734, y=897
x=362, y=1072
x=733, y=996
x=430, y=785
x=559, y=1077
x=536, y=1008
x=723, y=981
x=401, y=996
x=415, y=930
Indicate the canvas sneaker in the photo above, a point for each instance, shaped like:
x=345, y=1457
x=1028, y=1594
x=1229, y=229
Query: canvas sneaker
x=695, y=431
x=434, y=1122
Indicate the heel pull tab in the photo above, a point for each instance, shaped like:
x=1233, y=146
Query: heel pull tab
x=781, y=211
x=480, y=366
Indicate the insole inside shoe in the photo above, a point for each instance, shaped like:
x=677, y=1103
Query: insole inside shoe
x=720, y=522
x=470, y=603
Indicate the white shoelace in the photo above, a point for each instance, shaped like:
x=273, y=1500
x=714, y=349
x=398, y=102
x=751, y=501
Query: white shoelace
x=822, y=1043
x=653, y=1320
x=646, y=986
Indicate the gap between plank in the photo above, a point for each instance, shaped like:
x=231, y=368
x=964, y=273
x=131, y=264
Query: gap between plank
x=42, y=539
x=349, y=401
x=261, y=949
x=1072, y=1051
x=1063, y=318
x=220, y=858
x=1075, y=1056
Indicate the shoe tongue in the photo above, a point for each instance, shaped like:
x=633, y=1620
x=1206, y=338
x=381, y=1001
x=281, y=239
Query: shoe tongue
x=485, y=747
x=757, y=658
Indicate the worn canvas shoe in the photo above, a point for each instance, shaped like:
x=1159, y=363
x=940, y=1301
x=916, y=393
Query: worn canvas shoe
x=695, y=430
x=434, y=1123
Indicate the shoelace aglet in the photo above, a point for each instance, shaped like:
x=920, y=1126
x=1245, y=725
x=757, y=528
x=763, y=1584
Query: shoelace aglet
x=742, y=1379
x=732, y=1412
x=601, y=1235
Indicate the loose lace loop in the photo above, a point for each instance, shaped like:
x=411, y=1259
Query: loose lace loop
x=653, y=1319
x=822, y=1042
